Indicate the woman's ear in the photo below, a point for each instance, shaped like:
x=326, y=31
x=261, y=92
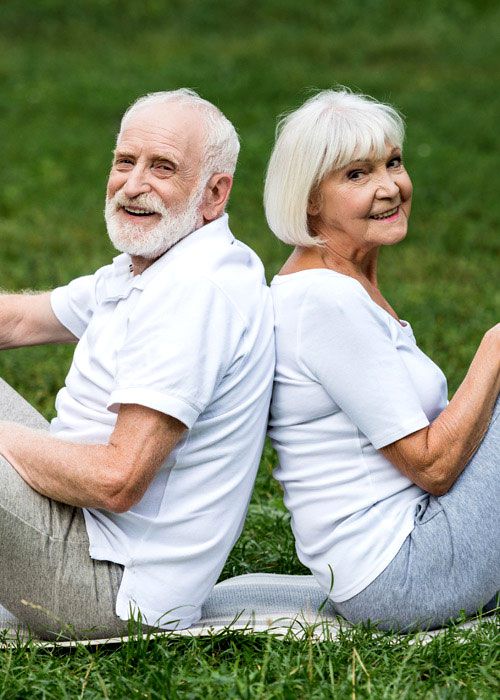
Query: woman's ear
x=215, y=196
x=314, y=202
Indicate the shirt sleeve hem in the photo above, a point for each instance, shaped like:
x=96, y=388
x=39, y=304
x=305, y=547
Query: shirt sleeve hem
x=63, y=313
x=388, y=437
x=171, y=405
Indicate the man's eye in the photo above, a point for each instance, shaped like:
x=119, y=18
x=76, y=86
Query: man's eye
x=123, y=161
x=165, y=167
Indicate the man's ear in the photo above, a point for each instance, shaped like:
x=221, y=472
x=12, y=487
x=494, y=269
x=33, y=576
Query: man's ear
x=215, y=196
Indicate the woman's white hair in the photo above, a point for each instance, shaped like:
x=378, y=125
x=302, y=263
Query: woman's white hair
x=221, y=144
x=330, y=130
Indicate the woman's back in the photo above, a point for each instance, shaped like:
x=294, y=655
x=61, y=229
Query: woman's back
x=349, y=379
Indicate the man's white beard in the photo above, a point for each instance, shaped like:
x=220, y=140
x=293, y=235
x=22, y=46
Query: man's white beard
x=135, y=239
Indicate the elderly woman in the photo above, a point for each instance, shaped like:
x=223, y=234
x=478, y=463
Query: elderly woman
x=392, y=490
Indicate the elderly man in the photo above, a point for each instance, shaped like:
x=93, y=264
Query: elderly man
x=130, y=504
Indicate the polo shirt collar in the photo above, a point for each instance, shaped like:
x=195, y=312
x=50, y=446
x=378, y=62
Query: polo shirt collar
x=120, y=282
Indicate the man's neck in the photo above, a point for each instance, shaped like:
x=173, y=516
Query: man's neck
x=139, y=264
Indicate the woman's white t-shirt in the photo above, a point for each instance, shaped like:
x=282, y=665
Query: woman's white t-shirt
x=349, y=380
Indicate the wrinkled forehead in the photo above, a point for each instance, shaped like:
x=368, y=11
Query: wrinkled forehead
x=169, y=125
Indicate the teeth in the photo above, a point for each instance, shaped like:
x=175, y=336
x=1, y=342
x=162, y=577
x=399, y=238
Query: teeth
x=385, y=215
x=143, y=212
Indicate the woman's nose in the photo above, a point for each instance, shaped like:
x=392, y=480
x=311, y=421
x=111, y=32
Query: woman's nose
x=387, y=186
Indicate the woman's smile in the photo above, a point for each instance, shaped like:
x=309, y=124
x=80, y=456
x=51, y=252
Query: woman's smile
x=389, y=215
x=365, y=204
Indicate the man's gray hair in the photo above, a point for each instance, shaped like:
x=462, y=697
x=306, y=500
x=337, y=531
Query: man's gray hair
x=330, y=130
x=220, y=144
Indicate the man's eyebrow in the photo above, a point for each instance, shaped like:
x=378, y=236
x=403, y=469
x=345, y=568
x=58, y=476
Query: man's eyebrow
x=164, y=157
x=155, y=157
x=122, y=152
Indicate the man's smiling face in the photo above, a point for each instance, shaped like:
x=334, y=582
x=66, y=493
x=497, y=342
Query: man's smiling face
x=155, y=186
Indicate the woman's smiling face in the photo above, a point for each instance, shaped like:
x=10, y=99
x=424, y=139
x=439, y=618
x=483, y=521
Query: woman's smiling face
x=364, y=204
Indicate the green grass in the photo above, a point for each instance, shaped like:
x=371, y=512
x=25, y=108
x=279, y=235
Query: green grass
x=67, y=70
x=358, y=665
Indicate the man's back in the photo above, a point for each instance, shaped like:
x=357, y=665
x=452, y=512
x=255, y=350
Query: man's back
x=191, y=337
x=135, y=499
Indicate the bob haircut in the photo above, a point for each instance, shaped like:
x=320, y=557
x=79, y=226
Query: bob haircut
x=329, y=131
x=221, y=144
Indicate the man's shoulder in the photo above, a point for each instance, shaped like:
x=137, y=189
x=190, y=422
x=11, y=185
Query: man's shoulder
x=213, y=248
x=212, y=256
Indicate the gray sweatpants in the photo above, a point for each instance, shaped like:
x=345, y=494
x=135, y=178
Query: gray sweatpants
x=47, y=578
x=450, y=562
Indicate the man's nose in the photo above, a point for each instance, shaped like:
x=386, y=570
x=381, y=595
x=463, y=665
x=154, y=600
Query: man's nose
x=137, y=182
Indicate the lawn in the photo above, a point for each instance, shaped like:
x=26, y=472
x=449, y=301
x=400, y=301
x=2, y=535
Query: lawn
x=67, y=72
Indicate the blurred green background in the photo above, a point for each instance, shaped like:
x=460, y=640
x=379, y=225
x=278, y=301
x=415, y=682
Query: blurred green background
x=68, y=70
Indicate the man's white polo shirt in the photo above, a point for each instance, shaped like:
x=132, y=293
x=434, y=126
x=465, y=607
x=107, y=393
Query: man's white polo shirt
x=192, y=336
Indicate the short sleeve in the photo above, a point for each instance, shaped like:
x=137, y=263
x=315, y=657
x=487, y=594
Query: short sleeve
x=74, y=304
x=177, y=349
x=345, y=343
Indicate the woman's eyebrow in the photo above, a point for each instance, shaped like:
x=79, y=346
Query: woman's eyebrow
x=357, y=161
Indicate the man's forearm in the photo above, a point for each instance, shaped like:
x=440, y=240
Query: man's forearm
x=77, y=474
x=114, y=476
x=28, y=319
x=10, y=320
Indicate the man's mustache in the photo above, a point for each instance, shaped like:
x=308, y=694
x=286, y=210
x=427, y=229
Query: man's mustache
x=146, y=200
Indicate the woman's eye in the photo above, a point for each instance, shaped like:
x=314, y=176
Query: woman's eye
x=395, y=162
x=354, y=174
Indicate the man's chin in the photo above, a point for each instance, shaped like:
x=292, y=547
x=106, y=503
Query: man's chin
x=151, y=255
x=136, y=251
x=150, y=242
x=147, y=249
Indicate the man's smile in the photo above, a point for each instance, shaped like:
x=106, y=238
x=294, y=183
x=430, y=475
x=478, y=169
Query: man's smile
x=136, y=211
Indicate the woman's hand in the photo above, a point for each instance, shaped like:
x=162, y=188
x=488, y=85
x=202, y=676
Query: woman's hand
x=435, y=456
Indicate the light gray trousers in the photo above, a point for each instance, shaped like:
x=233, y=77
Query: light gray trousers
x=47, y=578
x=450, y=562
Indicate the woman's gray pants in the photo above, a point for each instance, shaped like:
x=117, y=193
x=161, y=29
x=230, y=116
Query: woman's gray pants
x=47, y=578
x=450, y=562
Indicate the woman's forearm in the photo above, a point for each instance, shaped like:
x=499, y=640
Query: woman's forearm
x=435, y=456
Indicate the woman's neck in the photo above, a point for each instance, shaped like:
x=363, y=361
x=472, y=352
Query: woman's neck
x=363, y=268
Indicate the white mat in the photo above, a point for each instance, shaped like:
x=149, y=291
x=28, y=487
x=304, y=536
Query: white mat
x=291, y=607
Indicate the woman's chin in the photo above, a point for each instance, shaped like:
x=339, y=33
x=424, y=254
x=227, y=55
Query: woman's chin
x=394, y=237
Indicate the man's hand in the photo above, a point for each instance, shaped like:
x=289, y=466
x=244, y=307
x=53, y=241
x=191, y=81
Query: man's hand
x=113, y=476
x=28, y=319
